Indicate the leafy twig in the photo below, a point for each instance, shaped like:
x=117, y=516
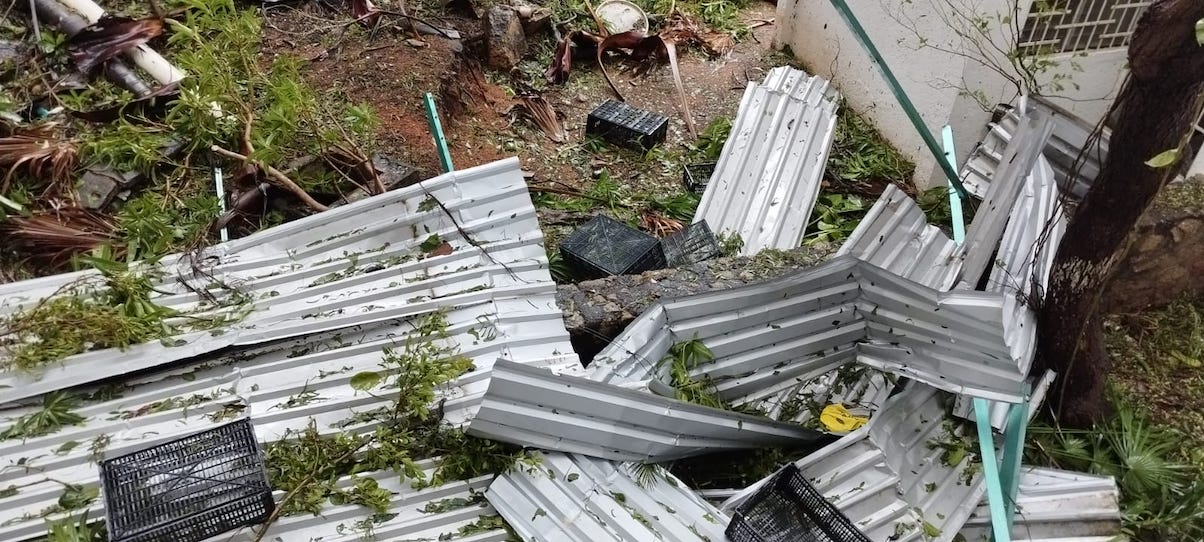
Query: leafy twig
x=281, y=179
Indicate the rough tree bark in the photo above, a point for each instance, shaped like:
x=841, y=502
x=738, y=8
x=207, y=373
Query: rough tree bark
x=1155, y=109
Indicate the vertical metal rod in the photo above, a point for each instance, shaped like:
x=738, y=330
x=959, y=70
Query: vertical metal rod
x=912, y=113
x=432, y=116
x=955, y=200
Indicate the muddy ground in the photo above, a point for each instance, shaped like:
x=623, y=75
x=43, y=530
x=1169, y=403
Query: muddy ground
x=392, y=75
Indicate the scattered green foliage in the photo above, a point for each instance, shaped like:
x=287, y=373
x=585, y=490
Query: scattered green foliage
x=935, y=204
x=710, y=141
x=561, y=271
x=76, y=530
x=154, y=224
x=76, y=496
x=834, y=218
x=733, y=469
x=56, y=413
x=684, y=357
x=680, y=206
x=730, y=243
x=1161, y=497
x=1164, y=159
x=861, y=157
x=113, y=311
x=309, y=464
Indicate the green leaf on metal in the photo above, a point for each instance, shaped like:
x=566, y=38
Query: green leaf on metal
x=365, y=381
x=1164, y=159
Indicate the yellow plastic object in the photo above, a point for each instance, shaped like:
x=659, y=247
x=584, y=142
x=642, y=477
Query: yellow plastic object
x=838, y=419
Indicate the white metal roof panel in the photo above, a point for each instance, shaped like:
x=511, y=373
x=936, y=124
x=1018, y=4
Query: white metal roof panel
x=576, y=498
x=1057, y=506
x=768, y=175
x=353, y=265
x=538, y=408
x=287, y=383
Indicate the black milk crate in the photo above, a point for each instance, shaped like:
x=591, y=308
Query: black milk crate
x=788, y=509
x=604, y=247
x=692, y=244
x=189, y=489
x=696, y=176
x=623, y=125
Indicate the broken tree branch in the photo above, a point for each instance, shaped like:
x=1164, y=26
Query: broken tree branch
x=281, y=179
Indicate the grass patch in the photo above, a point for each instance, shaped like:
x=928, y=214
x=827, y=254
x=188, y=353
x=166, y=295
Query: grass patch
x=1154, y=442
x=1153, y=349
x=1162, y=498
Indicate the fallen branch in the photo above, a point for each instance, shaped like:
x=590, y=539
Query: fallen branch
x=281, y=179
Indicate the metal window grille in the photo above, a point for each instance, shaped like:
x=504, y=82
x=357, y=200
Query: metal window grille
x=1068, y=26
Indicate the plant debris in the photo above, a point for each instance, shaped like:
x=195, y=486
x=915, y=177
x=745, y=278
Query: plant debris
x=110, y=37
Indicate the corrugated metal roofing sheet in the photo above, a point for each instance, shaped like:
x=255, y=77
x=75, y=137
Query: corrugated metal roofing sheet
x=1057, y=506
x=452, y=511
x=768, y=174
x=353, y=265
x=896, y=236
x=1022, y=154
x=575, y=498
x=538, y=408
x=285, y=384
x=786, y=331
x=892, y=478
x=1063, y=149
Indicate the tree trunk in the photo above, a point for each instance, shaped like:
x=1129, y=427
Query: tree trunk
x=1154, y=111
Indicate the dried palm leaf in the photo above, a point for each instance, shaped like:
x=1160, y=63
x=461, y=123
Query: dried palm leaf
x=544, y=116
x=54, y=237
x=41, y=154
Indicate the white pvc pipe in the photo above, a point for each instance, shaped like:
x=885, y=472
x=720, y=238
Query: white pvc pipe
x=146, y=58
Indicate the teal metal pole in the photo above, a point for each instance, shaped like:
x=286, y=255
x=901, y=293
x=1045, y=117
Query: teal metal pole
x=432, y=117
x=1013, y=453
x=955, y=199
x=897, y=89
x=990, y=471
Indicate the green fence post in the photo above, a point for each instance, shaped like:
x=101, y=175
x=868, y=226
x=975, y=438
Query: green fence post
x=432, y=117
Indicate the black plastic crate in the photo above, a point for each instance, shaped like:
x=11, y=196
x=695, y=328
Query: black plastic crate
x=627, y=126
x=696, y=176
x=788, y=509
x=692, y=244
x=605, y=247
x=189, y=489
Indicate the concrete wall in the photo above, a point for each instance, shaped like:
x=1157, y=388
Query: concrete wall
x=815, y=32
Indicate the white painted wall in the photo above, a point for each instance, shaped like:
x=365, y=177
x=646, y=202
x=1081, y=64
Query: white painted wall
x=818, y=36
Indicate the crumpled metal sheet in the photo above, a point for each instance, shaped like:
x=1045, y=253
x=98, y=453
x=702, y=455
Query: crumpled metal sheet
x=538, y=408
x=896, y=236
x=576, y=498
x=1057, y=506
x=1021, y=156
x=785, y=331
x=768, y=175
x=1074, y=170
x=285, y=384
x=353, y=265
x=891, y=478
